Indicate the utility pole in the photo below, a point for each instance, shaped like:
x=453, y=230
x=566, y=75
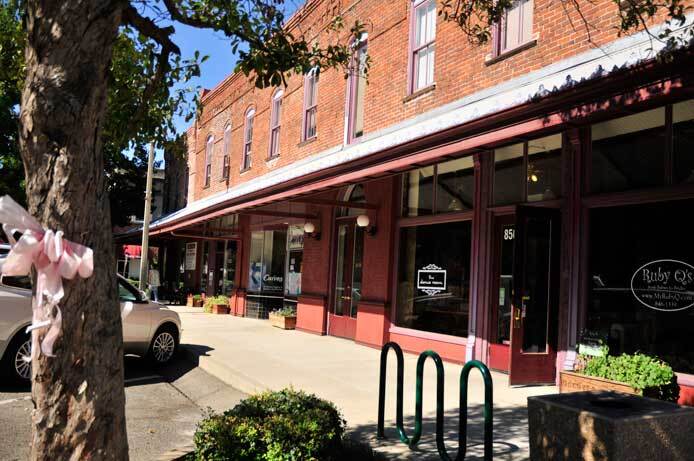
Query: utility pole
x=144, y=264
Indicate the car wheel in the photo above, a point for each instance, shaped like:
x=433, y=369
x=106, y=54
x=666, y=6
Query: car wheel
x=164, y=345
x=18, y=359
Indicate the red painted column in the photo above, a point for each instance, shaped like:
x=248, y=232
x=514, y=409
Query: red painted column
x=312, y=305
x=373, y=311
x=479, y=327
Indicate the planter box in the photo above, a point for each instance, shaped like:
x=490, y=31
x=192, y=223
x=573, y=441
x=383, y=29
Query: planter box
x=570, y=381
x=608, y=426
x=198, y=303
x=220, y=309
x=279, y=321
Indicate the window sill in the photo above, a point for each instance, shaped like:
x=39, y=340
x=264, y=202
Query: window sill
x=307, y=141
x=418, y=93
x=489, y=59
x=206, y=186
x=274, y=157
x=244, y=170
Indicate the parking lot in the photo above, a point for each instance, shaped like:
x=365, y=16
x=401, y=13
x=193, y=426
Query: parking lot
x=162, y=408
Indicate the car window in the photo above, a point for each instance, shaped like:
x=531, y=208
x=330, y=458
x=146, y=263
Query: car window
x=126, y=293
x=17, y=282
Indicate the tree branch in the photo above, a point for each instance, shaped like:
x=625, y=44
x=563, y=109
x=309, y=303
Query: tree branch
x=161, y=35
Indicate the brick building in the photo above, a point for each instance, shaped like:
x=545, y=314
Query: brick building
x=482, y=201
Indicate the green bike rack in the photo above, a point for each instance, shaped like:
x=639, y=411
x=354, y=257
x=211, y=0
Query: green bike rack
x=399, y=392
x=462, y=429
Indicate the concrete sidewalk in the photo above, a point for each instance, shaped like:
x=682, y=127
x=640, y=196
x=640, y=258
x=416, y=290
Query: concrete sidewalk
x=252, y=356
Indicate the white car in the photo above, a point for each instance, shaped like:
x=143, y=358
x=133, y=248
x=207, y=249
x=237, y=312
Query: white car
x=149, y=329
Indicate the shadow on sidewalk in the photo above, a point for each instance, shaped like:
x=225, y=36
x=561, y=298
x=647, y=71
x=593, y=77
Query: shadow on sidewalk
x=510, y=429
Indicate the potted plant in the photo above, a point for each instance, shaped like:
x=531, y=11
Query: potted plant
x=197, y=301
x=637, y=374
x=217, y=305
x=284, y=318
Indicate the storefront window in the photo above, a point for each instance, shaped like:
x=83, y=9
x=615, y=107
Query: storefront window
x=641, y=295
x=229, y=266
x=418, y=197
x=443, y=188
x=629, y=152
x=295, y=246
x=683, y=140
x=267, y=260
x=539, y=178
x=544, y=168
x=434, y=278
x=508, y=174
x=455, y=185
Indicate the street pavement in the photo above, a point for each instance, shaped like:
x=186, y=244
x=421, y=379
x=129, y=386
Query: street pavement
x=162, y=409
x=250, y=355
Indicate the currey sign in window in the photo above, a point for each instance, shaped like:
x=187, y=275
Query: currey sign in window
x=310, y=105
x=422, y=44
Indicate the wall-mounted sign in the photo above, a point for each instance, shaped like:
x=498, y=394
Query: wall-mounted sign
x=664, y=285
x=431, y=279
x=191, y=256
x=591, y=343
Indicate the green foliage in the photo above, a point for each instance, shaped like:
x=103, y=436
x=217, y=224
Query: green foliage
x=274, y=426
x=653, y=377
x=197, y=297
x=286, y=311
x=213, y=301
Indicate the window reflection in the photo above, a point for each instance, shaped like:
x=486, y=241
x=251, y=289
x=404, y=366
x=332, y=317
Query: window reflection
x=683, y=140
x=455, y=185
x=544, y=168
x=418, y=196
x=509, y=179
x=628, y=152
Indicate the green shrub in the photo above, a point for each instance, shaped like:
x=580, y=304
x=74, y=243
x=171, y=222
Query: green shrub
x=213, y=301
x=197, y=297
x=651, y=376
x=285, y=312
x=274, y=426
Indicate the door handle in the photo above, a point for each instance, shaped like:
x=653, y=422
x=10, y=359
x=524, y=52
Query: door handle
x=346, y=297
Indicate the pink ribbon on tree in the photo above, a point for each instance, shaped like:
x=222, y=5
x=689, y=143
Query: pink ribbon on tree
x=54, y=258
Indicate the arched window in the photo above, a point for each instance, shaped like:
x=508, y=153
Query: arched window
x=353, y=194
x=209, y=148
x=227, y=150
x=275, y=122
x=248, y=139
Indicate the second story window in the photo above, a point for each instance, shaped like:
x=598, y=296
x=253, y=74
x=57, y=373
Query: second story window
x=275, y=122
x=516, y=28
x=248, y=139
x=422, y=44
x=310, y=105
x=356, y=89
x=227, y=150
x=209, y=148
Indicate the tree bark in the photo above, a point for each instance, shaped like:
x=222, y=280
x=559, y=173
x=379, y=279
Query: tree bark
x=79, y=399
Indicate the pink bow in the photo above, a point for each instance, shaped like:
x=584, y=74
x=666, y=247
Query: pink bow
x=54, y=258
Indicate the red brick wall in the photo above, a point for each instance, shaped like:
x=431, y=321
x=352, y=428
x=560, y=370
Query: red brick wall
x=460, y=70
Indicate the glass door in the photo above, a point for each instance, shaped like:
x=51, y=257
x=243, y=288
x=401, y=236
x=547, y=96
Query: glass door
x=502, y=289
x=348, y=271
x=535, y=296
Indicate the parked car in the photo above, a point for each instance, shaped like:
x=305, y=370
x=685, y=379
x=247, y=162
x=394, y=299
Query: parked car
x=150, y=329
x=4, y=250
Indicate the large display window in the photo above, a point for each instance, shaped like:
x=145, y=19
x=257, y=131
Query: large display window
x=641, y=295
x=434, y=278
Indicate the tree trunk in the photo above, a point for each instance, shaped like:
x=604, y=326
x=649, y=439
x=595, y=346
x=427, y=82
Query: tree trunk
x=78, y=395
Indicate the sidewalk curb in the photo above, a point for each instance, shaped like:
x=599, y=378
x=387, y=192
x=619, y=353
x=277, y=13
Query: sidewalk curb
x=177, y=454
x=223, y=372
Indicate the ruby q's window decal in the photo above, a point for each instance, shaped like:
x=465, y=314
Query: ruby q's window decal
x=664, y=285
x=431, y=279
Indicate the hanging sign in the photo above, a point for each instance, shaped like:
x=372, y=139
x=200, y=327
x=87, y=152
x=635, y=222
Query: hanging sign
x=664, y=285
x=191, y=256
x=431, y=279
x=295, y=237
